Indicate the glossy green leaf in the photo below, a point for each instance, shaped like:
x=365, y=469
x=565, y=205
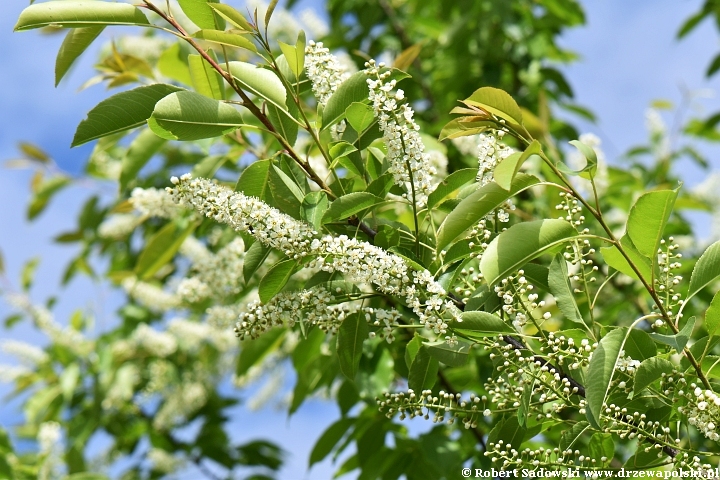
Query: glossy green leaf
x=476, y=205
x=497, y=102
x=423, y=371
x=351, y=335
x=207, y=167
x=524, y=408
x=650, y=370
x=69, y=380
x=275, y=279
x=509, y=431
x=616, y=260
x=348, y=205
x=451, y=355
x=45, y=191
x=678, y=341
x=255, y=180
x=521, y=243
x=75, y=43
x=601, y=445
x=141, y=150
x=269, y=12
x=506, y=170
x=173, y=63
x=254, y=258
x=481, y=324
x=200, y=13
x=226, y=38
x=260, y=82
x=706, y=270
x=360, y=116
x=639, y=345
x=570, y=438
x=451, y=184
x=253, y=350
x=205, y=79
x=354, y=89
x=122, y=111
x=712, y=315
x=160, y=249
x=286, y=193
x=458, y=128
x=313, y=208
x=602, y=370
x=295, y=54
x=647, y=221
x=27, y=276
x=191, y=116
x=329, y=439
x=231, y=15
x=285, y=124
x=79, y=14
x=590, y=168
x=411, y=349
x=562, y=291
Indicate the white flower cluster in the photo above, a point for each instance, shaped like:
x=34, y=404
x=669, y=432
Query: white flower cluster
x=154, y=203
x=122, y=390
x=358, y=261
x=490, y=151
x=164, y=461
x=215, y=275
x=49, y=437
x=149, y=295
x=410, y=165
x=324, y=70
x=118, y=226
x=703, y=412
x=28, y=355
x=45, y=322
x=10, y=373
x=519, y=300
x=316, y=306
x=184, y=400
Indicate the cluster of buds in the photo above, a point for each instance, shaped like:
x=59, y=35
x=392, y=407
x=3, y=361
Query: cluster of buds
x=442, y=405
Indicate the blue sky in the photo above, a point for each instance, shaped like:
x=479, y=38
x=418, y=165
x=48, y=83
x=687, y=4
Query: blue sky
x=629, y=58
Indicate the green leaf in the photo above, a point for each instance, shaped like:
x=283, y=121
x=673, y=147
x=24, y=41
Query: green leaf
x=295, y=54
x=354, y=89
x=44, y=193
x=254, y=258
x=508, y=168
x=452, y=356
x=141, y=150
x=260, y=82
x=616, y=260
x=73, y=14
x=650, y=370
x=509, y=431
x=69, y=380
x=411, y=349
x=275, y=279
x=27, y=275
x=255, y=180
x=122, y=111
x=476, y=205
x=75, y=43
x=497, y=102
x=191, y=116
x=679, y=341
x=562, y=291
x=639, y=345
x=226, y=38
x=231, y=15
x=269, y=12
x=481, y=324
x=353, y=332
x=200, y=13
x=360, y=116
x=174, y=65
x=712, y=315
x=521, y=243
x=284, y=124
x=706, y=270
x=254, y=350
x=329, y=438
x=348, y=205
x=647, y=221
x=458, y=128
x=590, y=168
x=286, y=193
x=524, y=408
x=205, y=79
x=85, y=476
x=160, y=249
x=602, y=445
x=207, y=167
x=450, y=184
x=313, y=208
x=570, y=437
x=423, y=371
x=601, y=370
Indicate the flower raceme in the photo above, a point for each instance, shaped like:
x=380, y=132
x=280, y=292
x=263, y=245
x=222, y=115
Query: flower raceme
x=358, y=261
